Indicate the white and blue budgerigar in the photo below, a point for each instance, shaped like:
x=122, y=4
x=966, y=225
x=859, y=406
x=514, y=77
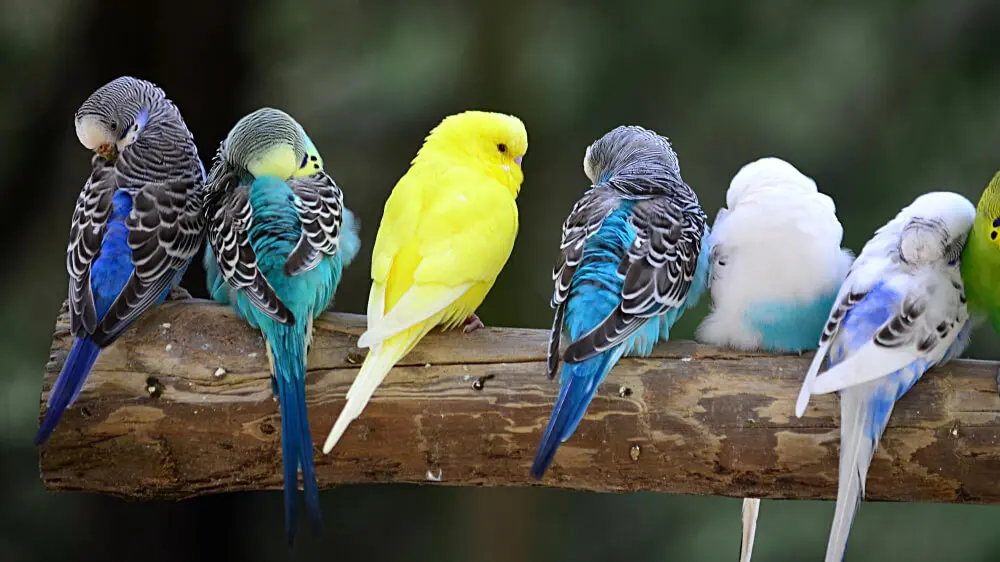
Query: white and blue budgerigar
x=776, y=267
x=900, y=311
x=137, y=223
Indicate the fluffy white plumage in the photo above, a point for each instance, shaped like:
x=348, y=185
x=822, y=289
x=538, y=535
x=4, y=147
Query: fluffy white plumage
x=777, y=241
x=900, y=311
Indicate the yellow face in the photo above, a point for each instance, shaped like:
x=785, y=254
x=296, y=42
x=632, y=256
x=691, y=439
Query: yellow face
x=988, y=212
x=312, y=162
x=497, y=141
x=279, y=161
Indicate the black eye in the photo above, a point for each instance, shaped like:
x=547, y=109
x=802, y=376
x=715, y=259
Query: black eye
x=502, y=147
x=114, y=126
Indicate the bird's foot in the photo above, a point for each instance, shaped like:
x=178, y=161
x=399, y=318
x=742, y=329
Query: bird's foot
x=472, y=324
x=178, y=293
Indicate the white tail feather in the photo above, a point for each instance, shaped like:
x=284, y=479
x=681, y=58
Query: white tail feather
x=376, y=366
x=817, y=362
x=856, y=450
x=751, y=508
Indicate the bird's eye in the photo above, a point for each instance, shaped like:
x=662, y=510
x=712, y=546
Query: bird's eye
x=502, y=147
x=114, y=126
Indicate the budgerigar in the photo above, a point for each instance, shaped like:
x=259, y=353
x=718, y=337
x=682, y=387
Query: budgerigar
x=280, y=239
x=447, y=231
x=900, y=312
x=633, y=257
x=136, y=225
x=981, y=257
x=776, y=266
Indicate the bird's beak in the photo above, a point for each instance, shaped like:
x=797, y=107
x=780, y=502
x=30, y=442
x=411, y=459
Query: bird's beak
x=106, y=151
x=518, y=159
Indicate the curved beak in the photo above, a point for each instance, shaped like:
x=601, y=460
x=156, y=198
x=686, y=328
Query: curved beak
x=518, y=160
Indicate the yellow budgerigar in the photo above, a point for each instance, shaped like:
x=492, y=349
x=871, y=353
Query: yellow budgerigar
x=447, y=231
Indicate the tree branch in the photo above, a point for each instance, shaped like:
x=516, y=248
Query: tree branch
x=182, y=406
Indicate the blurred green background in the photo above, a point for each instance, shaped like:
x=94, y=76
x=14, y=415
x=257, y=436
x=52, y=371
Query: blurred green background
x=878, y=101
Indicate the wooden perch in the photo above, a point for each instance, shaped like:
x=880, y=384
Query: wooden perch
x=182, y=406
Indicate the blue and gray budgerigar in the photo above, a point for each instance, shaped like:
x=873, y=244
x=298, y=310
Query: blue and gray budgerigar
x=633, y=257
x=901, y=311
x=136, y=225
x=776, y=267
x=280, y=238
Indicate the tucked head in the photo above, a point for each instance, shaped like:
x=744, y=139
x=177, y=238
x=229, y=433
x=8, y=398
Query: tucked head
x=936, y=227
x=767, y=173
x=114, y=116
x=634, y=159
x=267, y=142
x=495, y=141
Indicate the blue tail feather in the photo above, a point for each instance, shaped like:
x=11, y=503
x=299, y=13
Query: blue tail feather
x=79, y=362
x=579, y=383
x=288, y=350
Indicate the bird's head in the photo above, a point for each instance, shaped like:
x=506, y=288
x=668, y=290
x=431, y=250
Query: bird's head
x=495, y=141
x=768, y=173
x=312, y=162
x=267, y=142
x=935, y=228
x=114, y=116
x=633, y=159
x=988, y=211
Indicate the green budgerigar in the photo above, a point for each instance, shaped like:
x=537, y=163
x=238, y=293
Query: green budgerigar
x=981, y=257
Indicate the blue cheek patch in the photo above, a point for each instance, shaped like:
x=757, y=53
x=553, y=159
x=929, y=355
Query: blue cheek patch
x=140, y=122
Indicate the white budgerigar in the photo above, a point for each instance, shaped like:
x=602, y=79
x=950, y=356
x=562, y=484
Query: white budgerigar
x=900, y=312
x=776, y=266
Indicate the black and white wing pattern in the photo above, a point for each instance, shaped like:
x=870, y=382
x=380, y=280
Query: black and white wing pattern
x=90, y=221
x=584, y=221
x=320, y=206
x=230, y=216
x=657, y=272
x=165, y=231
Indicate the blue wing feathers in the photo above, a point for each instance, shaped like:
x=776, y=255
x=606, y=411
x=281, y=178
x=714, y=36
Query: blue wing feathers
x=275, y=232
x=109, y=272
x=594, y=292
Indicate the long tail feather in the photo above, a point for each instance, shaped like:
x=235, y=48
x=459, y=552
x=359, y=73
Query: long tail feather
x=78, y=364
x=377, y=365
x=579, y=382
x=287, y=347
x=751, y=508
x=857, y=445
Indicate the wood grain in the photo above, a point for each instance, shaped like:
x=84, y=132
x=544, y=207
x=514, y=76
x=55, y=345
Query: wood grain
x=182, y=406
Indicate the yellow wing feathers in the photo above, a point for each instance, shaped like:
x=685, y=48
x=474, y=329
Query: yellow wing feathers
x=447, y=230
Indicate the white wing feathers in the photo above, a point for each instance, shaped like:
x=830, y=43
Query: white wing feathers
x=418, y=304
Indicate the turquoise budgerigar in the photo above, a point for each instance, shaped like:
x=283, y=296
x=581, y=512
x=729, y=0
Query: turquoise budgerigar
x=136, y=226
x=776, y=267
x=633, y=258
x=280, y=238
x=900, y=311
